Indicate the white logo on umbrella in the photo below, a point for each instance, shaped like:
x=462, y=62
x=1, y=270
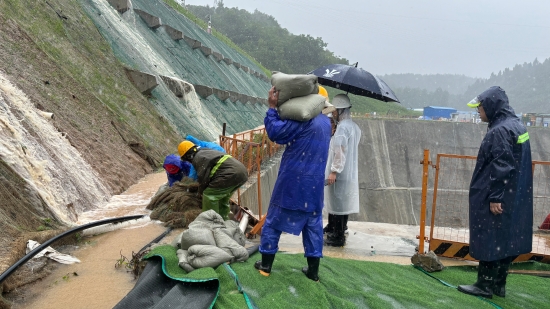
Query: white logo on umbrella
x=330, y=73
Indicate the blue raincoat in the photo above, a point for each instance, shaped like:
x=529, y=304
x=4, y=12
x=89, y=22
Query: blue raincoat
x=503, y=174
x=184, y=168
x=297, y=199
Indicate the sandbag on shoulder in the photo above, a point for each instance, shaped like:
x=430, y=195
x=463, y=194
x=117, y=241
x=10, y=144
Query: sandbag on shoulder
x=302, y=108
x=196, y=236
x=225, y=242
x=183, y=260
x=293, y=85
x=207, y=256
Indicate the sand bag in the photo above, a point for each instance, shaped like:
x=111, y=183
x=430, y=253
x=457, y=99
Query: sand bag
x=211, y=218
x=232, y=230
x=223, y=241
x=207, y=256
x=183, y=260
x=293, y=85
x=302, y=108
x=196, y=236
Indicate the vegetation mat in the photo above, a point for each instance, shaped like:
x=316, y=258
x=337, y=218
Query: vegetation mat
x=358, y=284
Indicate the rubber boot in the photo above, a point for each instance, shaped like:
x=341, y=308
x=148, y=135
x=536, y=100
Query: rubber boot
x=346, y=224
x=337, y=239
x=312, y=269
x=485, y=279
x=329, y=228
x=499, y=289
x=264, y=265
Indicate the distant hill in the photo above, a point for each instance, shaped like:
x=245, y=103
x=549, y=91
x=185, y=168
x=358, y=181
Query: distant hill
x=452, y=83
x=261, y=36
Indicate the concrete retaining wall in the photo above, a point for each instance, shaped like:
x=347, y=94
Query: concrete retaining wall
x=390, y=173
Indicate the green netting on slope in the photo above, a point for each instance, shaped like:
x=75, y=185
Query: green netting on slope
x=182, y=23
x=153, y=51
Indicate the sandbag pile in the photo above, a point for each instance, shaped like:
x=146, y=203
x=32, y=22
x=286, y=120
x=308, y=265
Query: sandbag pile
x=209, y=242
x=299, y=97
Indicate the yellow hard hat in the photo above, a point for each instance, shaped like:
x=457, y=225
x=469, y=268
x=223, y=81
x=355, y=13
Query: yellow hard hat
x=323, y=92
x=184, y=146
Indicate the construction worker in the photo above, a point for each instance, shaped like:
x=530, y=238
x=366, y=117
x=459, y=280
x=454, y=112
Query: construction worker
x=342, y=190
x=219, y=175
x=297, y=199
x=175, y=168
x=501, y=195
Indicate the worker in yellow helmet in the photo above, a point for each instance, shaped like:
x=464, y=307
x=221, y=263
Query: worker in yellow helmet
x=219, y=175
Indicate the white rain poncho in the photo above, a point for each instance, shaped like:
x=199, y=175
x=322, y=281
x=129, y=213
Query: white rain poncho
x=342, y=197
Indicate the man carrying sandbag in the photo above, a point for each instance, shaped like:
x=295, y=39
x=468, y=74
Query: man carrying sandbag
x=297, y=199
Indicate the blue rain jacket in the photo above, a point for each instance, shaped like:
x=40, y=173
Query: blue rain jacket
x=300, y=182
x=503, y=174
x=184, y=170
x=297, y=199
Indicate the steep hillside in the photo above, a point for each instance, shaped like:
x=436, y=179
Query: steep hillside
x=70, y=59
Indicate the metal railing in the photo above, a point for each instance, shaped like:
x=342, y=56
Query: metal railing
x=251, y=148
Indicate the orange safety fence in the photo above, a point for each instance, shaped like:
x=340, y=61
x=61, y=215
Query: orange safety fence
x=449, y=213
x=251, y=148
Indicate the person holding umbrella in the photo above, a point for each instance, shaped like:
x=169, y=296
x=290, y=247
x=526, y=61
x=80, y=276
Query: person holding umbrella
x=342, y=189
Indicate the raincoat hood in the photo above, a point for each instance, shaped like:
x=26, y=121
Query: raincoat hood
x=495, y=104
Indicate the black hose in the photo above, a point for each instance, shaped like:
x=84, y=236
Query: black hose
x=36, y=250
x=161, y=236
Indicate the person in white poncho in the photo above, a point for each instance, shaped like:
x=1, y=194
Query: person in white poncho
x=342, y=184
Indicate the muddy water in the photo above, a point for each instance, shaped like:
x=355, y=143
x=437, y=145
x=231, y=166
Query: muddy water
x=95, y=282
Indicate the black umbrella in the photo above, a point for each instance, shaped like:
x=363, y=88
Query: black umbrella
x=354, y=80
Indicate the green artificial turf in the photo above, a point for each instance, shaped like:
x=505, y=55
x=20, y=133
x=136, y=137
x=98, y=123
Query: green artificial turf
x=359, y=284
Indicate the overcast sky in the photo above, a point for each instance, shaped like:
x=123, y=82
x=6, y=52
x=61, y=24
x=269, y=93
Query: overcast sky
x=470, y=37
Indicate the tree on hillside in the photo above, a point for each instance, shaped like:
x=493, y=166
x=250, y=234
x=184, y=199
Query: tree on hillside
x=261, y=36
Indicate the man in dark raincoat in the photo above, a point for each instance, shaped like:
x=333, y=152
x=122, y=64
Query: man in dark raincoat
x=501, y=195
x=297, y=200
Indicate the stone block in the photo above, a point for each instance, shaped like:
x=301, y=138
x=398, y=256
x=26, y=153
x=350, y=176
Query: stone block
x=245, y=68
x=217, y=56
x=207, y=51
x=144, y=82
x=194, y=44
x=175, y=34
x=203, y=91
x=233, y=96
x=120, y=5
x=236, y=64
x=151, y=20
x=178, y=87
x=221, y=94
x=227, y=60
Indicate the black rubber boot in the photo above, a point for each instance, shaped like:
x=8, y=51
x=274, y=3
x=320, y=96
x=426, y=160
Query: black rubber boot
x=329, y=228
x=346, y=224
x=264, y=265
x=499, y=289
x=485, y=279
x=338, y=238
x=312, y=269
